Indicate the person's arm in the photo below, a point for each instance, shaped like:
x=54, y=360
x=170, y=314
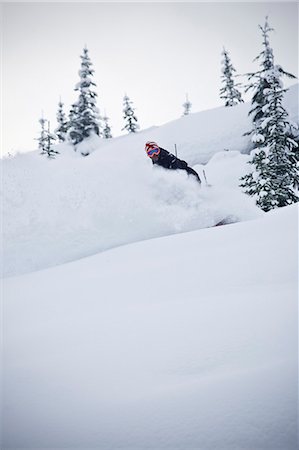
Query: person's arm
x=171, y=161
x=193, y=172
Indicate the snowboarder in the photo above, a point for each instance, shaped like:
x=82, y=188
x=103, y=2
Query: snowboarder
x=167, y=160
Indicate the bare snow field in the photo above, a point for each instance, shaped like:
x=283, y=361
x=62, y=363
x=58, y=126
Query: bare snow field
x=182, y=342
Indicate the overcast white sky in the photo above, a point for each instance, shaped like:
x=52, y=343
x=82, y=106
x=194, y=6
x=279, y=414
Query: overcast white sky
x=156, y=52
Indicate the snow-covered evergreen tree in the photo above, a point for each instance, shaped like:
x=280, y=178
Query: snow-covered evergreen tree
x=187, y=106
x=229, y=91
x=274, y=178
x=84, y=115
x=42, y=139
x=129, y=116
x=257, y=80
x=62, y=121
x=106, y=128
x=46, y=139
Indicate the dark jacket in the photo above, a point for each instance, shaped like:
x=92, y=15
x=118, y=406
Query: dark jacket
x=169, y=161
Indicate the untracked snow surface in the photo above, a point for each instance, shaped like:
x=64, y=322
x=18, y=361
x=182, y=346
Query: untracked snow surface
x=183, y=342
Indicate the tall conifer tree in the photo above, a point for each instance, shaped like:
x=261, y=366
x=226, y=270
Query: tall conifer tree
x=84, y=115
x=131, y=125
x=257, y=80
x=229, y=91
x=274, y=177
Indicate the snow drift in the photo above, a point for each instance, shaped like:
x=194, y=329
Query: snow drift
x=182, y=342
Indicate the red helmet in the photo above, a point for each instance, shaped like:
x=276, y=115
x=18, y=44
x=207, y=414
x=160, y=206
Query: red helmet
x=152, y=148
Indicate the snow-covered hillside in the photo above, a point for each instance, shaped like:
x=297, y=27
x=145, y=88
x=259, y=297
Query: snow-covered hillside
x=185, y=336
x=61, y=210
x=182, y=342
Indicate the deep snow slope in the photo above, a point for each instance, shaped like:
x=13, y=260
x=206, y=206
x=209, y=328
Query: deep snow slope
x=61, y=210
x=182, y=342
x=78, y=207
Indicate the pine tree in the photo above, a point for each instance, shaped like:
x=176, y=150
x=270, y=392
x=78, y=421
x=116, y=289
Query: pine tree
x=187, y=106
x=229, y=91
x=106, y=128
x=129, y=116
x=42, y=139
x=62, y=128
x=257, y=80
x=84, y=115
x=46, y=139
x=275, y=176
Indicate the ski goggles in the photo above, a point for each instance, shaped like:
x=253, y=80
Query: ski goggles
x=152, y=152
